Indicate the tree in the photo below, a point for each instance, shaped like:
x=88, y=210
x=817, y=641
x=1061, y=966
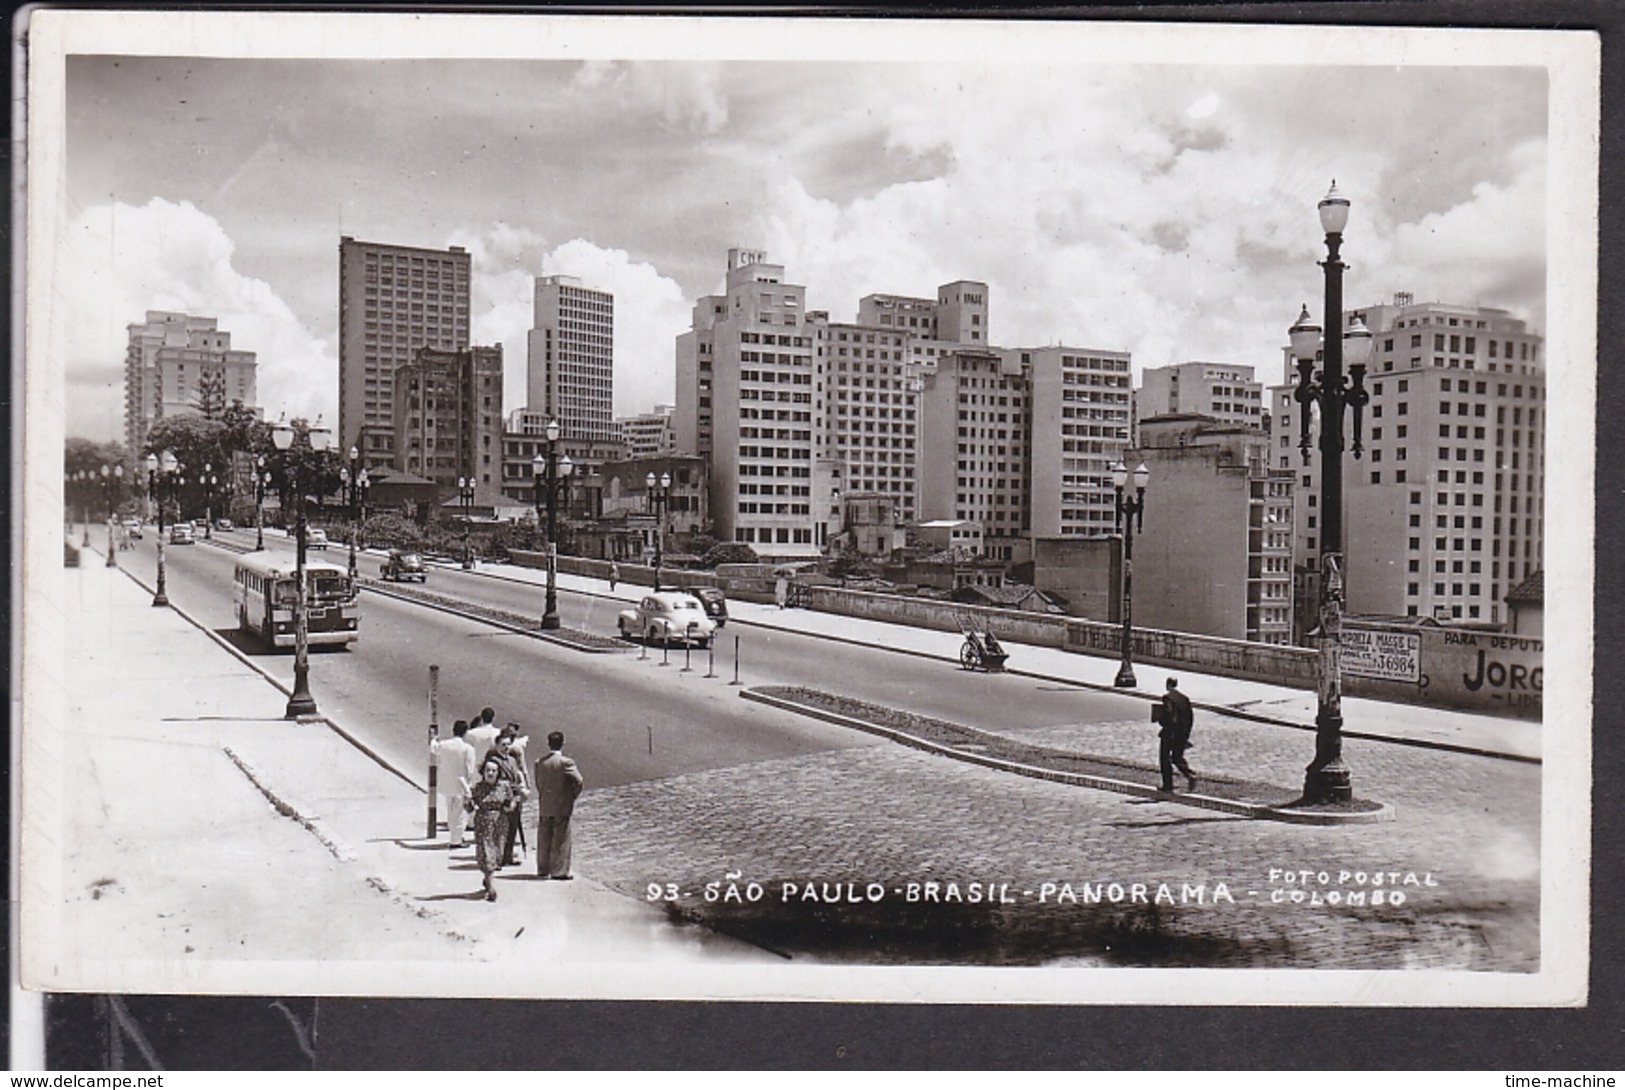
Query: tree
x=210, y=398
x=87, y=456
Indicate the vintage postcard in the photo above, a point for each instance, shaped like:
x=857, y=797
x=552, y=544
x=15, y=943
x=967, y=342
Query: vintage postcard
x=799, y=509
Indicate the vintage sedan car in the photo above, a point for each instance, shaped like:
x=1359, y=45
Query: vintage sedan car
x=132, y=526
x=714, y=601
x=222, y=524
x=668, y=616
x=402, y=565
x=316, y=538
x=181, y=534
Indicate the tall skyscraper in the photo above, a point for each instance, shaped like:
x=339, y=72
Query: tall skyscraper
x=448, y=419
x=1080, y=427
x=571, y=366
x=393, y=301
x=1444, y=513
x=168, y=355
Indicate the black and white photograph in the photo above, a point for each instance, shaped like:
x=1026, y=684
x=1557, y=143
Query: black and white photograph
x=917, y=511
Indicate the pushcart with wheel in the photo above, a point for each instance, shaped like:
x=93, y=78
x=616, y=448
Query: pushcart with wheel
x=981, y=650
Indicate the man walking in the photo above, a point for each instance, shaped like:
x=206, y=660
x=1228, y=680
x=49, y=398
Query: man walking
x=558, y=782
x=458, y=769
x=1177, y=718
x=614, y=575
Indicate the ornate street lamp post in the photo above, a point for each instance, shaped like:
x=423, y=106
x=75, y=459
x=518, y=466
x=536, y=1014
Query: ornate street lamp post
x=161, y=470
x=550, y=470
x=1129, y=515
x=112, y=477
x=356, y=484
x=1326, y=779
x=465, y=497
x=208, y=481
x=84, y=476
x=262, y=482
x=659, y=494
x=319, y=439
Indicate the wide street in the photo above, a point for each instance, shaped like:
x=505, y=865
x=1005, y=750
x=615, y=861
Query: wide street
x=690, y=787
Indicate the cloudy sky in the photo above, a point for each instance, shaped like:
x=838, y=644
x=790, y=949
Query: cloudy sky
x=1163, y=209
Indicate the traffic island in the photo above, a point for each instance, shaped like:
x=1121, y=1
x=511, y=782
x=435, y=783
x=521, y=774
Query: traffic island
x=1223, y=794
x=513, y=622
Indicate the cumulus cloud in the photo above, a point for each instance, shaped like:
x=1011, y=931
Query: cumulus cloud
x=687, y=97
x=115, y=262
x=650, y=310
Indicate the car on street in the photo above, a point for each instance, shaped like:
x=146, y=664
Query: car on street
x=222, y=524
x=132, y=526
x=714, y=601
x=667, y=616
x=316, y=539
x=404, y=565
x=181, y=534
x=200, y=524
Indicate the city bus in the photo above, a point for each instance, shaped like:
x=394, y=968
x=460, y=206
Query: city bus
x=265, y=589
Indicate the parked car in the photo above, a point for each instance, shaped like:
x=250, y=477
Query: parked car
x=400, y=566
x=132, y=526
x=316, y=539
x=714, y=601
x=222, y=524
x=667, y=616
x=181, y=534
x=200, y=524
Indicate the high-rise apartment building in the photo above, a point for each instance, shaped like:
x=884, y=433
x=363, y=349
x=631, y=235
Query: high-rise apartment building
x=448, y=419
x=746, y=400
x=868, y=392
x=974, y=448
x=1227, y=392
x=571, y=367
x=393, y=301
x=1444, y=513
x=168, y=356
x=1079, y=427
x=1214, y=554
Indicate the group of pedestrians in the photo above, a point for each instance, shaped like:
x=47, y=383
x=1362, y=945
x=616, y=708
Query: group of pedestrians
x=482, y=774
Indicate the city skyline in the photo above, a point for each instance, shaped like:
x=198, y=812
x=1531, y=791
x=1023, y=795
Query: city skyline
x=1166, y=211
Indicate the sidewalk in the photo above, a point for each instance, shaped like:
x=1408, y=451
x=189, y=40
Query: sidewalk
x=1275, y=704
x=204, y=841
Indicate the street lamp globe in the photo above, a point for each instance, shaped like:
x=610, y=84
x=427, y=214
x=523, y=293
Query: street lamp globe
x=565, y=465
x=538, y=466
x=1305, y=336
x=1334, y=211
x=649, y=479
x=355, y=452
x=1357, y=343
x=169, y=462
x=282, y=434
x=1119, y=475
x=1142, y=477
x=321, y=436
x=665, y=480
x=552, y=431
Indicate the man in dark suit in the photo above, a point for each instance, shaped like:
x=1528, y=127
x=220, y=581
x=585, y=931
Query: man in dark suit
x=1177, y=718
x=558, y=782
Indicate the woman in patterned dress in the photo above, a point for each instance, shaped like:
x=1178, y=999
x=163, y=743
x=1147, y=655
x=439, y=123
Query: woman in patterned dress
x=490, y=801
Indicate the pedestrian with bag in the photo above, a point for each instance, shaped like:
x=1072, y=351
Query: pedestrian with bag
x=1177, y=717
x=491, y=802
x=558, y=783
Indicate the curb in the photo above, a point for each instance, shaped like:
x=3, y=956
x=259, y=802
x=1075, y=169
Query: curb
x=1076, y=779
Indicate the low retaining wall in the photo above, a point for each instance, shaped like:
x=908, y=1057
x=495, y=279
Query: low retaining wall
x=1434, y=667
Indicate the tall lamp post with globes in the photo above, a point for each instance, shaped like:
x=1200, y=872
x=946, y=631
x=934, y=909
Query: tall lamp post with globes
x=465, y=498
x=1129, y=515
x=262, y=482
x=550, y=470
x=85, y=476
x=319, y=439
x=208, y=481
x=1327, y=779
x=354, y=477
x=112, y=478
x=161, y=470
x=659, y=495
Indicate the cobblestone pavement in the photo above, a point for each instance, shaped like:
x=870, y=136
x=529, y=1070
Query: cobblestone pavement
x=1466, y=830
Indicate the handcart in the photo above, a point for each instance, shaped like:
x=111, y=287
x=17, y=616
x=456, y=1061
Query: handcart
x=981, y=649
